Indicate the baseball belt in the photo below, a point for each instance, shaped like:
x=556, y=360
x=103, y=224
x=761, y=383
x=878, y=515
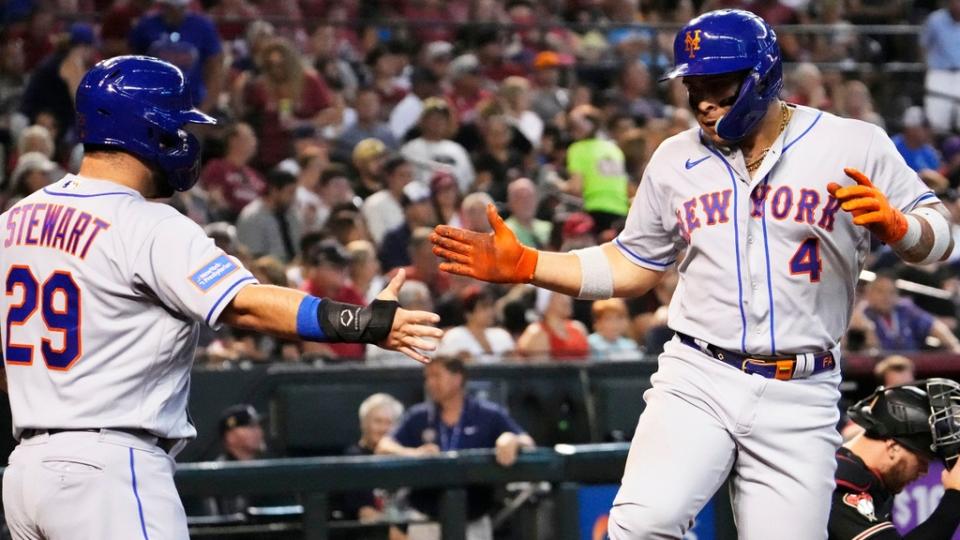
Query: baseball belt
x=780, y=368
x=167, y=445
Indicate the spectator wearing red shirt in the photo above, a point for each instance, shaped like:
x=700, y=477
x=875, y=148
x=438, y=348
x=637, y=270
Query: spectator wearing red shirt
x=325, y=267
x=466, y=89
x=492, y=57
x=38, y=37
x=557, y=336
x=429, y=11
x=284, y=96
x=232, y=17
x=230, y=181
x=117, y=25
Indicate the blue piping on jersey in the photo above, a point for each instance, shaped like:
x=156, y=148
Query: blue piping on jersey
x=766, y=249
x=224, y=295
x=736, y=247
x=87, y=195
x=916, y=202
x=626, y=250
x=136, y=494
x=791, y=143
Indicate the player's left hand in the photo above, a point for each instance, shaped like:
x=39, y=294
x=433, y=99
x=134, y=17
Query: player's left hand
x=413, y=331
x=870, y=207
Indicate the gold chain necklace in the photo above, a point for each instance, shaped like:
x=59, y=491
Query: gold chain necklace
x=785, y=114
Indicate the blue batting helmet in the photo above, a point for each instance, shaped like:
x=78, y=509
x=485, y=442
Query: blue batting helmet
x=729, y=41
x=140, y=105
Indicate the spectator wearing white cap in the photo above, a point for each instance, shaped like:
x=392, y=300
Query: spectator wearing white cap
x=33, y=172
x=433, y=149
x=913, y=143
x=437, y=56
x=466, y=87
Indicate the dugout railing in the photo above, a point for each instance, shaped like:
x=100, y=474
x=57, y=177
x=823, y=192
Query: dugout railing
x=314, y=480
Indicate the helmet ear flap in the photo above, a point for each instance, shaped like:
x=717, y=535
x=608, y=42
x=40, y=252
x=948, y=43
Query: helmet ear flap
x=744, y=114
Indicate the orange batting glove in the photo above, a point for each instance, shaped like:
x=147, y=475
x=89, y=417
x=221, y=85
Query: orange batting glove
x=870, y=207
x=497, y=257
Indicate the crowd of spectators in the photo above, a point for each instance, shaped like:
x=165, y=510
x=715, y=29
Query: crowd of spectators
x=349, y=129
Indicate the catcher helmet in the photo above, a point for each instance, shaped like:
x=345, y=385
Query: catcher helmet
x=729, y=41
x=923, y=416
x=140, y=104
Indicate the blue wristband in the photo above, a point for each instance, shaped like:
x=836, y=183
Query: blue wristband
x=308, y=319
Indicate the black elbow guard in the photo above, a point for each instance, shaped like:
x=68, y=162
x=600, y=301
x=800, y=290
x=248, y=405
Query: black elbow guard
x=350, y=323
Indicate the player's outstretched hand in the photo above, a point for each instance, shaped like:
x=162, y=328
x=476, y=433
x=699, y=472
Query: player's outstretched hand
x=869, y=207
x=497, y=257
x=411, y=330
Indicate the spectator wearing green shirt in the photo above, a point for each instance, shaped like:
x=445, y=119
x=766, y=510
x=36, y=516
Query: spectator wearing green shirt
x=596, y=168
x=522, y=201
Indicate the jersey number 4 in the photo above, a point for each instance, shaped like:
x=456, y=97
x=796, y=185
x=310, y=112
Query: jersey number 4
x=807, y=260
x=59, y=301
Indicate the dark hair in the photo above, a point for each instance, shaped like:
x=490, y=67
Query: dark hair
x=453, y=364
x=365, y=90
x=334, y=170
x=393, y=163
x=474, y=295
x=312, y=238
x=278, y=179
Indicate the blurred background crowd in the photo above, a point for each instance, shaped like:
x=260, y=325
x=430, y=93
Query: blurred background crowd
x=349, y=129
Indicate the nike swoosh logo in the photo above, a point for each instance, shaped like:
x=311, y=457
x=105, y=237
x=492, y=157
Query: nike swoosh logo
x=691, y=164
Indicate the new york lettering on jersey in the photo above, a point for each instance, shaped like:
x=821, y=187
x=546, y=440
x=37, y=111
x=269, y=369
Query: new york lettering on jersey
x=776, y=245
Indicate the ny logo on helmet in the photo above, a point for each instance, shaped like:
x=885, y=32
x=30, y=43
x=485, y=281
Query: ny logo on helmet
x=692, y=43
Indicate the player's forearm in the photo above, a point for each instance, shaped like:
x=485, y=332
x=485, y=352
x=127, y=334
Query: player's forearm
x=562, y=272
x=558, y=272
x=389, y=447
x=942, y=332
x=265, y=308
x=921, y=249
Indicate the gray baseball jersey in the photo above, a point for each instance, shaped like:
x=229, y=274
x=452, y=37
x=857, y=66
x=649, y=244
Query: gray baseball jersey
x=104, y=295
x=769, y=264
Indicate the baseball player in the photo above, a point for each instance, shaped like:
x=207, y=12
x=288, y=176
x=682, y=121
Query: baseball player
x=105, y=293
x=906, y=427
x=766, y=209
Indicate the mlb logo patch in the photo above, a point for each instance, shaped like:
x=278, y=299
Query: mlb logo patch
x=213, y=272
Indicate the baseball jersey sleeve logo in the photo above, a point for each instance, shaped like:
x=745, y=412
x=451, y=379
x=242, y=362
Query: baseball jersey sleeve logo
x=692, y=42
x=863, y=503
x=214, y=272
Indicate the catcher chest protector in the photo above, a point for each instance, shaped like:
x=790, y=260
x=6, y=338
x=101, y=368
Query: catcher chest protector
x=140, y=104
x=729, y=41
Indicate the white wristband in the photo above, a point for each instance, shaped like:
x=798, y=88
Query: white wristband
x=941, y=233
x=912, y=237
x=596, y=277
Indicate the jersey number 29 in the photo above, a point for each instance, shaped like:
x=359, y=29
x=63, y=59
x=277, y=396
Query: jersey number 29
x=61, y=316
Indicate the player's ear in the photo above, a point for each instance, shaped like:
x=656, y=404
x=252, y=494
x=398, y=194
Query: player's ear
x=893, y=449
